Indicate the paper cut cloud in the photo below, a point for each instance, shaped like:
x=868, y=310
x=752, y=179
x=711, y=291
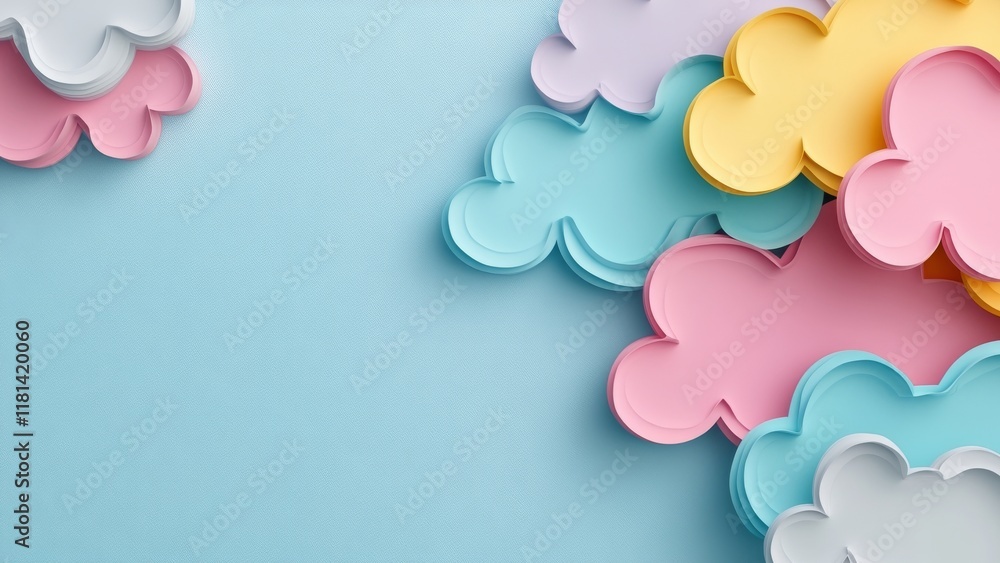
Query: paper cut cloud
x=622, y=49
x=936, y=181
x=39, y=128
x=612, y=192
x=737, y=327
x=987, y=294
x=803, y=95
x=859, y=393
x=81, y=49
x=871, y=506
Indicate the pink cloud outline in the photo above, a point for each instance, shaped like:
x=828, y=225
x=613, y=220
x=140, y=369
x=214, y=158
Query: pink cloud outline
x=38, y=128
x=728, y=351
x=932, y=186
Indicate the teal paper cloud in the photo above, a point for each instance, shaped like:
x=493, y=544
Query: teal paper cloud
x=859, y=393
x=613, y=192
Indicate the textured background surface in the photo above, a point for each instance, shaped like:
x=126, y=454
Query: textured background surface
x=67, y=231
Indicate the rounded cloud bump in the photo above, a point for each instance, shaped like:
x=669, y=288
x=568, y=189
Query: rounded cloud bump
x=935, y=182
x=736, y=329
x=804, y=95
x=621, y=49
x=870, y=505
x=612, y=192
x=859, y=393
x=38, y=128
x=81, y=49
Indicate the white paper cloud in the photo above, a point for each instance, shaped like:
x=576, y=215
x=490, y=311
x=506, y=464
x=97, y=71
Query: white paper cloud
x=871, y=507
x=82, y=48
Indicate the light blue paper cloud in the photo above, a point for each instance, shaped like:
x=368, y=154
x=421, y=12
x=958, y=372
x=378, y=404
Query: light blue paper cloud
x=859, y=393
x=613, y=192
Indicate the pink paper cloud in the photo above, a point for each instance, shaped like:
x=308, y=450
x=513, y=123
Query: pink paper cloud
x=39, y=128
x=936, y=183
x=736, y=327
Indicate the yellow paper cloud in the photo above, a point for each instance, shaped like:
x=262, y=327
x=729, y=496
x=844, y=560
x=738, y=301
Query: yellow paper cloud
x=803, y=95
x=986, y=294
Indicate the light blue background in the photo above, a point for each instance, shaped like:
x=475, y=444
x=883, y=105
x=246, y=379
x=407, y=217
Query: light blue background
x=66, y=233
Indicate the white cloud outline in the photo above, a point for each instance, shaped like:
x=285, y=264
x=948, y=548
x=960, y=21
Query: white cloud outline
x=840, y=456
x=112, y=61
